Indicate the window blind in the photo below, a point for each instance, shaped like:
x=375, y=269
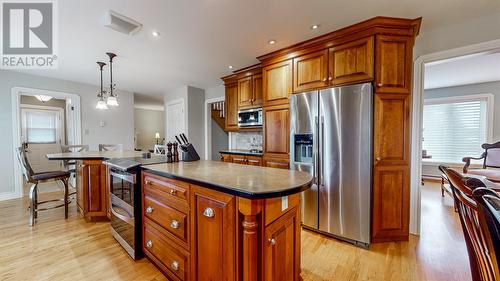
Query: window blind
x=454, y=129
x=41, y=126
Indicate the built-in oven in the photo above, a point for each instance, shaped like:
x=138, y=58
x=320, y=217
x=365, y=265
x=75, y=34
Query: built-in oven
x=125, y=207
x=250, y=117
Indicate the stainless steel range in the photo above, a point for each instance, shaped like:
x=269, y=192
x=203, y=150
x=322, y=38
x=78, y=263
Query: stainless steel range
x=125, y=201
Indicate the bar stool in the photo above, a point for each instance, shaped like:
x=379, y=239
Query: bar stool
x=35, y=179
x=110, y=147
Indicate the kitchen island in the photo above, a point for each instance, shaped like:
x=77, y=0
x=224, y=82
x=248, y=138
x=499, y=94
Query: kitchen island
x=210, y=220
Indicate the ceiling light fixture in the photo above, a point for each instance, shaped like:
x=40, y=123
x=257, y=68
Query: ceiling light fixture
x=272, y=42
x=112, y=99
x=315, y=26
x=101, y=103
x=155, y=34
x=230, y=67
x=43, y=98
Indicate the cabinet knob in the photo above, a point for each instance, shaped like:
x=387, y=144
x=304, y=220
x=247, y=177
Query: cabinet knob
x=149, y=210
x=272, y=241
x=149, y=244
x=173, y=191
x=209, y=213
x=147, y=182
x=330, y=78
x=378, y=159
x=174, y=224
x=380, y=84
x=174, y=265
x=324, y=79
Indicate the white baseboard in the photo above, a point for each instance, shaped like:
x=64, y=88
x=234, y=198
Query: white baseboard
x=8, y=195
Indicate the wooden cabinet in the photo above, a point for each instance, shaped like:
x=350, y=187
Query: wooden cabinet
x=92, y=190
x=310, y=71
x=254, y=160
x=226, y=157
x=277, y=83
x=231, y=105
x=351, y=62
x=257, y=90
x=282, y=248
x=393, y=64
x=214, y=244
x=245, y=92
x=276, y=131
x=241, y=159
x=280, y=163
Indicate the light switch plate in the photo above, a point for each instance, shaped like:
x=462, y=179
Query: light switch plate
x=284, y=203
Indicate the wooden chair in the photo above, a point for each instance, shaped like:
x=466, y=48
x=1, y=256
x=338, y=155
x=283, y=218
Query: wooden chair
x=35, y=179
x=110, y=147
x=481, y=264
x=491, y=162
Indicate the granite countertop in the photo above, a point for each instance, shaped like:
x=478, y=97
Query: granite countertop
x=252, y=182
x=94, y=155
x=241, y=152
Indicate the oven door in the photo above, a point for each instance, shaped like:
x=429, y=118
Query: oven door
x=250, y=117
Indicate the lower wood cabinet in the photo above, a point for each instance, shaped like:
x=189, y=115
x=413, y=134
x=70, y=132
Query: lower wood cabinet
x=241, y=159
x=92, y=190
x=280, y=163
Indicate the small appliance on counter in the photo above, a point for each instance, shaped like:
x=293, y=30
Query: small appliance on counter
x=125, y=200
x=188, y=153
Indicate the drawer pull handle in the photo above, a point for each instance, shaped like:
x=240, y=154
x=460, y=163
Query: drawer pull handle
x=147, y=182
x=149, y=244
x=272, y=241
x=173, y=191
x=174, y=224
x=174, y=265
x=149, y=210
x=209, y=213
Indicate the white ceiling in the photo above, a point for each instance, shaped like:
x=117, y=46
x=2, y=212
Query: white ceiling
x=200, y=38
x=472, y=69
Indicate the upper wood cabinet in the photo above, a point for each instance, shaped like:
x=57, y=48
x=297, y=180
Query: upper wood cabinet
x=231, y=105
x=277, y=83
x=245, y=92
x=257, y=90
x=351, y=62
x=310, y=71
x=393, y=63
x=277, y=131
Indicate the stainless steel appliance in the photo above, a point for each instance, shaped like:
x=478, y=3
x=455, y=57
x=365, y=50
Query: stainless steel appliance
x=250, y=117
x=125, y=201
x=331, y=138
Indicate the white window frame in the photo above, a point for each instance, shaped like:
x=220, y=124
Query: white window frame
x=490, y=99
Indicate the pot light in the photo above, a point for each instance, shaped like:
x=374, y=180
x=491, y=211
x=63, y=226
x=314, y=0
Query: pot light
x=155, y=34
x=230, y=67
x=315, y=26
x=271, y=42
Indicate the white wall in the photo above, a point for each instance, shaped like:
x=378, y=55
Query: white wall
x=147, y=123
x=119, y=121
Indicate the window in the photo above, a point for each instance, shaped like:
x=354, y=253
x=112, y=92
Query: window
x=456, y=127
x=41, y=126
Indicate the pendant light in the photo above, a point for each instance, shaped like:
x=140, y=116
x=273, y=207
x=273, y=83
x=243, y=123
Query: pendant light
x=112, y=98
x=101, y=102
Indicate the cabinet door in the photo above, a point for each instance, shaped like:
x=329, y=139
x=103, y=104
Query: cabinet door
x=277, y=83
x=257, y=90
x=245, y=92
x=214, y=242
x=310, y=71
x=393, y=63
x=352, y=62
x=254, y=160
x=282, y=248
x=94, y=199
x=276, y=131
x=231, y=107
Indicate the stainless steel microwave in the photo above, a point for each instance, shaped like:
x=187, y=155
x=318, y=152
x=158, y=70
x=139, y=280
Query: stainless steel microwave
x=250, y=117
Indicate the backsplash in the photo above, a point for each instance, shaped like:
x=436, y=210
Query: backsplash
x=243, y=140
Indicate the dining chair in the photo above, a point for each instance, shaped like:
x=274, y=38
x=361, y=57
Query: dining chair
x=491, y=162
x=35, y=179
x=70, y=165
x=110, y=147
x=481, y=264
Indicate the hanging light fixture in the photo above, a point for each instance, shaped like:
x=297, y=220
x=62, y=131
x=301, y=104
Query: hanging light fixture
x=101, y=102
x=112, y=99
x=43, y=98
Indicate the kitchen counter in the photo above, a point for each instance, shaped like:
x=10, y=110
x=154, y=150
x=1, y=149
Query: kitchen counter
x=251, y=182
x=94, y=155
x=241, y=152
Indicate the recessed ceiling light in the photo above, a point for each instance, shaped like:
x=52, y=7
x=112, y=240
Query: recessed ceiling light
x=155, y=33
x=272, y=42
x=230, y=67
x=315, y=26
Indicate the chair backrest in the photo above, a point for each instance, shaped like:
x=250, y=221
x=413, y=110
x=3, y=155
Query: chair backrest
x=479, y=258
x=159, y=149
x=492, y=155
x=110, y=147
x=25, y=165
x=74, y=148
x=488, y=205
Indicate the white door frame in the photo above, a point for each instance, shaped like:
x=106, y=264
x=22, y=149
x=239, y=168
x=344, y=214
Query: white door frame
x=16, y=93
x=417, y=110
x=208, y=125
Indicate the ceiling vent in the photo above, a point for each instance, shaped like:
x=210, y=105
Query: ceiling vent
x=121, y=23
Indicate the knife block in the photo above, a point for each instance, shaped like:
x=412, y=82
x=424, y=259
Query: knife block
x=188, y=153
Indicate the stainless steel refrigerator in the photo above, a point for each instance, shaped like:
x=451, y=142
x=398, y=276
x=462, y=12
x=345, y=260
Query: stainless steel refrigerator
x=331, y=138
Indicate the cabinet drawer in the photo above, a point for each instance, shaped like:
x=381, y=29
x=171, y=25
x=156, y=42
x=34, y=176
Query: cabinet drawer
x=254, y=160
x=173, y=261
x=239, y=159
x=174, y=221
x=168, y=188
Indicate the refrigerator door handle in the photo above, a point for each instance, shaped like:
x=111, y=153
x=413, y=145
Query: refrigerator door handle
x=315, y=154
x=322, y=152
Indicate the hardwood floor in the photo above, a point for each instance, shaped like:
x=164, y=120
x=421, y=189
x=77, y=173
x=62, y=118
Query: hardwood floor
x=56, y=249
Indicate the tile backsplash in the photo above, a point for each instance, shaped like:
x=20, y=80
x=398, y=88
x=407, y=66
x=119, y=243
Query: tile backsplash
x=243, y=140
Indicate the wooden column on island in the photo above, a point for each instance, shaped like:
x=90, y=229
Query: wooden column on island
x=250, y=258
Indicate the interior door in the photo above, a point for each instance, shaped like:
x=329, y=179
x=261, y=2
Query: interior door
x=175, y=120
x=43, y=131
